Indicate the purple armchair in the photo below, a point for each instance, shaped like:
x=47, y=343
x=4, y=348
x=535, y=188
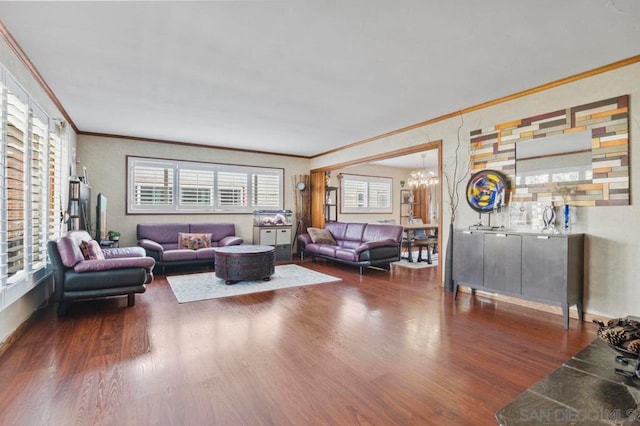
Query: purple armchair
x=123, y=271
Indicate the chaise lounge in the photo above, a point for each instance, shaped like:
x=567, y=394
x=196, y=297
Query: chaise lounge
x=358, y=244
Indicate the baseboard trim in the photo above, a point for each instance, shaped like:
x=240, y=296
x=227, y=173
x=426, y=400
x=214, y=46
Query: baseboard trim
x=4, y=346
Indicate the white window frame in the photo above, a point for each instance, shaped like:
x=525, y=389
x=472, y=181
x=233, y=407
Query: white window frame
x=364, y=204
x=246, y=197
x=47, y=177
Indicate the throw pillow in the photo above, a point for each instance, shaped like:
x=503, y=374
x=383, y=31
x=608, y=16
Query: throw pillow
x=321, y=236
x=91, y=250
x=193, y=241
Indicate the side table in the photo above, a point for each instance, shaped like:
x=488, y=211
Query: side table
x=110, y=244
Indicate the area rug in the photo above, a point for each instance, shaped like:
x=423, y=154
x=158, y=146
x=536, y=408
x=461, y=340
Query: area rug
x=194, y=287
x=404, y=263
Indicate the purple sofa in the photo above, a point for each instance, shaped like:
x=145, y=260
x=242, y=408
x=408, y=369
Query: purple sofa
x=358, y=244
x=123, y=271
x=160, y=241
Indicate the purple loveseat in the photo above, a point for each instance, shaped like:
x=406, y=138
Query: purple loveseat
x=358, y=244
x=160, y=241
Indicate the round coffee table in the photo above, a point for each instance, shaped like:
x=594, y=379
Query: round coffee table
x=244, y=262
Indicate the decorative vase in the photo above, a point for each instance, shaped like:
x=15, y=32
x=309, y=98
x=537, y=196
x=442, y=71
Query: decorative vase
x=566, y=212
x=448, y=264
x=549, y=218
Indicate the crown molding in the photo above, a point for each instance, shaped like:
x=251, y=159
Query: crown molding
x=586, y=74
x=15, y=47
x=190, y=144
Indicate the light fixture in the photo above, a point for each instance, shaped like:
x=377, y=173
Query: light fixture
x=422, y=178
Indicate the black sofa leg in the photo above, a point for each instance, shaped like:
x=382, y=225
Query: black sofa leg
x=131, y=299
x=62, y=308
x=362, y=270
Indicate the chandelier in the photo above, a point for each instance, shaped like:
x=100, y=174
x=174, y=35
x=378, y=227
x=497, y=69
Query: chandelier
x=422, y=178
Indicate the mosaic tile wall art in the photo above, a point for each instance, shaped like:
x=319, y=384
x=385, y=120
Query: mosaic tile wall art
x=596, y=175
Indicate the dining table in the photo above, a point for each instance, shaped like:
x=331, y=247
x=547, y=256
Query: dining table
x=410, y=229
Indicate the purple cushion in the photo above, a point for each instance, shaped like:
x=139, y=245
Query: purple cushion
x=69, y=250
x=375, y=232
x=206, y=253
x=355, y=231
x=217, y=230
x=178, y=254
x=346, y=254
x=337, y=229
x=117, y=252
x=327, y=250
x=107, y=264
x=91, y=250
x=162, y=233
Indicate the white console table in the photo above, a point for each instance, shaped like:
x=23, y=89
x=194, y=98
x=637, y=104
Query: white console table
x=545, y=268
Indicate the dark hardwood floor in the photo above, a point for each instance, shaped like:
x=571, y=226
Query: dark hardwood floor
x=379, y=349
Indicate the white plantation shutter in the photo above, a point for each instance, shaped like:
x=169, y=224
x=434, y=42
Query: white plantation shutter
x=56, y=168
x=365, y=194
x=152, y=185
x=171, y=186
x=3, y=198
x=232, y=189
x=354, y=193
x=15, y=172
x=38, y=179
x=266, y=190
x=196, y=187
x=31, y=172
x=379, y=195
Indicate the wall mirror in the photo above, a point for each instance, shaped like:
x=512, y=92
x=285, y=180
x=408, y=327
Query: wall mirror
x=563, y=159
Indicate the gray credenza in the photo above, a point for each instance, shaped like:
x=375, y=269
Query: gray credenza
x=545, y=268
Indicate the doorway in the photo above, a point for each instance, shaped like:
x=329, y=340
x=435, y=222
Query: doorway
x=405, y=158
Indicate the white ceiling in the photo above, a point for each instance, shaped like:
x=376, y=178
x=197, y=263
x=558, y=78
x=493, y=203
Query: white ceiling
x=304, y=77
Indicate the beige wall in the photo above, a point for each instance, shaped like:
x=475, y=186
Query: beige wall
x=612, y=243
x=105, y=160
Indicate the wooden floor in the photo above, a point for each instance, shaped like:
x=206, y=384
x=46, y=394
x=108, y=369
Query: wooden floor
x=379, y=349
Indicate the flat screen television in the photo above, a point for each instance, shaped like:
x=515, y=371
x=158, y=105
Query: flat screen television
x=101, y=218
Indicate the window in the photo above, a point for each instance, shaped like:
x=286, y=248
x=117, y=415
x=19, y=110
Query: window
x=365, y=194
x=32, y=169
x=15, y=183
x=57, y=165
x=169, y=186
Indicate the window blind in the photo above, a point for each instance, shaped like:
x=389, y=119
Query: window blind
x=17, y=116
x=366, y=194
x=379, y=195
x=232, y=189
x=37, y=180
x=196, y=187
x=354, y=193
x=173, y=186
x=54, y=183
x=32, y=168
x=153, y=185
x=266, y=190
